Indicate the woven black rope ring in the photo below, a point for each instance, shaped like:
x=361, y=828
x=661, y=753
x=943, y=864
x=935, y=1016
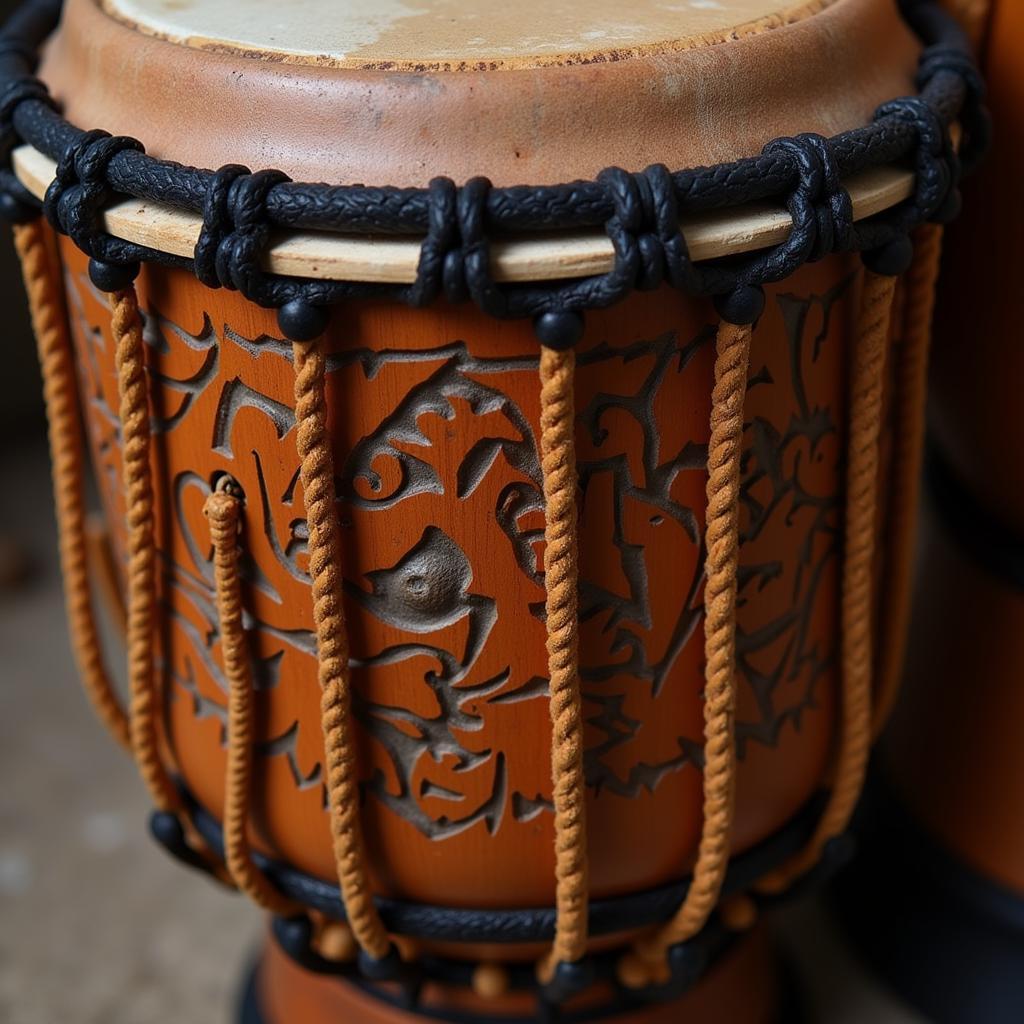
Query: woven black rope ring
x=639, y=212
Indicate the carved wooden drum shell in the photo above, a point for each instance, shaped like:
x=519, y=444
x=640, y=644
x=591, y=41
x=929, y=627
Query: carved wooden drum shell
x=434, y=421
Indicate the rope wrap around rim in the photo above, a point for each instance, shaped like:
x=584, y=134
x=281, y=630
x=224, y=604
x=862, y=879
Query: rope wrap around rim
x=639, y=211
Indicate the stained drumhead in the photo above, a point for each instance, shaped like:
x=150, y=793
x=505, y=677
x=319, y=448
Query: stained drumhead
x=454, y=34
x=396, y=92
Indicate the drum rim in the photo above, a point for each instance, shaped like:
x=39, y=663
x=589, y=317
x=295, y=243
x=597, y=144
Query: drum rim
x=610, y=915
x=498, y=926
x=374, y=260
x=459, y=224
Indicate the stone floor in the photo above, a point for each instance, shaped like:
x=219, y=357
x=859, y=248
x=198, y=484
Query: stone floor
x=97, y=926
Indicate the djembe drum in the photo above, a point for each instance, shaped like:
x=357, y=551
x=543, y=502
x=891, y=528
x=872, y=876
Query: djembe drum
x=937, y=901
x=500, y=603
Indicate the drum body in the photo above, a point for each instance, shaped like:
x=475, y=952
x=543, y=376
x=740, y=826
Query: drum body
x=434, y=420
x=434, y=425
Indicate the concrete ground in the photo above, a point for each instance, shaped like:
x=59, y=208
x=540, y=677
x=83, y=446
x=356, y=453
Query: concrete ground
x=97, y=925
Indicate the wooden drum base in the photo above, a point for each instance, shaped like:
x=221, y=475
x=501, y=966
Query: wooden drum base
x=745, y=987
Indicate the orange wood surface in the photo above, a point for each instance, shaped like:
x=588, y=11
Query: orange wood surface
x=434, y=416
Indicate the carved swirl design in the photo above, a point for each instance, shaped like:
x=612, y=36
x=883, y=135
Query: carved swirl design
x=441, y=512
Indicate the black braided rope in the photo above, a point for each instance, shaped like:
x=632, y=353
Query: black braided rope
x=492, y=926
x=640, y=211
x=622, y=914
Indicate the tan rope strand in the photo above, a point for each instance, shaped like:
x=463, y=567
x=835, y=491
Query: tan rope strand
x=725, y=449
x=223, y=511
x=129, y=358
x=317, y=475
x=558, y=462
x=67, y=454
x=910, y=387
x=857, y=657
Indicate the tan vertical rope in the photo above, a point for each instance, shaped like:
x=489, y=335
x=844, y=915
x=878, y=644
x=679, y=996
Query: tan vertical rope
x=725, y=449
x=223, y=511
x=867, y=386
x=67, y=456
x=910, y=384
x=129, y=358
x=317, y=475
x=558, y=463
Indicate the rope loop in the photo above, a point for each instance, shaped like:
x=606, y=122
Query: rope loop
x=17, y=204
x=633, y=229
x=935, y=162
x=442, y=238
x=663, y=214
x=240, y=220
x=975, y=120
x=819, y=204
x=74, y=200
x=217, y=223
x=17, y=91
x=20, y=50
x=467, y=268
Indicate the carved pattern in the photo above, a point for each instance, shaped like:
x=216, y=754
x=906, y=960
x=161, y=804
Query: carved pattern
x=428, y=601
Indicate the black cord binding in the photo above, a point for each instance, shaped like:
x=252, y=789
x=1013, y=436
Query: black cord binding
x=640, y=212
x=502, y=927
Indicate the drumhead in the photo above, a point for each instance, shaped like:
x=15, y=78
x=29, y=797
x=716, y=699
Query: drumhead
x=456, y=35
x=349, y=91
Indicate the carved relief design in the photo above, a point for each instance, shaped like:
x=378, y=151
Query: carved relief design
x=440, y=502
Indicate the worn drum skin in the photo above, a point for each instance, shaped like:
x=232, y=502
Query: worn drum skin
x=434, y=420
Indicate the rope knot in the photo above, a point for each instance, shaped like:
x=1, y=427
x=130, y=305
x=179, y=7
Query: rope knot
x=221, y=509
x=935, y=162
x=633, y=227
x=819, y=204
x=75, y=199
x=235, y=229
x=455, y=255
x=467, y=269
x=442, y=239
x=662, y=214
x=217, y=223
x=645, y=233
